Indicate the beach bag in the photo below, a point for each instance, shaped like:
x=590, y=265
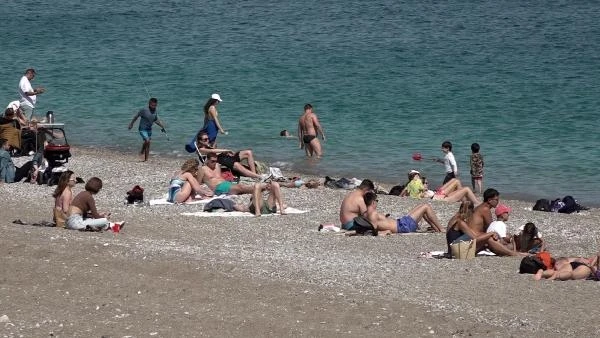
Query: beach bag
x=135, y=195
x=464, y=249
x=362, y=226
x=542, y=205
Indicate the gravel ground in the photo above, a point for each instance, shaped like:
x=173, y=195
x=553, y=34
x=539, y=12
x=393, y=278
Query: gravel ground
x=172, y=275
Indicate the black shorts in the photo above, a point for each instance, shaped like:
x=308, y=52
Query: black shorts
x=228, y=160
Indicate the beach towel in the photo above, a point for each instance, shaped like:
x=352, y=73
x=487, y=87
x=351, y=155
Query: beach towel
x=163, y=200
x=289, y=210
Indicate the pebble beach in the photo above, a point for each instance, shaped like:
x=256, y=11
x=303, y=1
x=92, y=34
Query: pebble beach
x=170, y=275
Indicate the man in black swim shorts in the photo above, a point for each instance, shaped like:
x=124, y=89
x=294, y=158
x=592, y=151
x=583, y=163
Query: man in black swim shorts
x=308, y=130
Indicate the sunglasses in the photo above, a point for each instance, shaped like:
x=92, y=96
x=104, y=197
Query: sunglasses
x=203, y=139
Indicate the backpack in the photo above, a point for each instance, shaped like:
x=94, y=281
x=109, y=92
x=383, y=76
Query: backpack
x=542, y=205
x=135, y=195
x=396, y=190
x=362, y=226
x=570, y=205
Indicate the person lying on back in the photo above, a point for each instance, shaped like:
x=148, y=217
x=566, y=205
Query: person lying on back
x=405, y=224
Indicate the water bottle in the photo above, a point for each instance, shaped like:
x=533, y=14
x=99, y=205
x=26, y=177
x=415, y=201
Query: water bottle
x=50, y=116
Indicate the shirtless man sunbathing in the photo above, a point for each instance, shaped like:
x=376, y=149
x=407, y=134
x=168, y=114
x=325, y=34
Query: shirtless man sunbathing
x=210, y=174
x=476, y=226
x=228, y=158
x=405, y=224
x=353, y=204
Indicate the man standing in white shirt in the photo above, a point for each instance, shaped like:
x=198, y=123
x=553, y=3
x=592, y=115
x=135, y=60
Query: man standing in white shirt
x=27, y=93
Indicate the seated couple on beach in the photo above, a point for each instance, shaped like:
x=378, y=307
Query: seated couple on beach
x=473, y=223
x=451, y=191
x=362, y=204
x=228, y=158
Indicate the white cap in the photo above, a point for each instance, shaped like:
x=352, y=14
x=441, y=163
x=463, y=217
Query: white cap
x=14, y=105
x=413, y=171
x=216, y=97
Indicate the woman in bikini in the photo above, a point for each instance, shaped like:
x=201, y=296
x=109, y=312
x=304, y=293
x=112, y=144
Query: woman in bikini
x=571, y=268
x=63, y=195
x=184, y=185
x=453, y=191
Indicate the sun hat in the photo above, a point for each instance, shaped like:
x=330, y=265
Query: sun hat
x=216, y=97
x=501, y=208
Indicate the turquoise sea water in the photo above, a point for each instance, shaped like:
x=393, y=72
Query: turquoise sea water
x=387, y=79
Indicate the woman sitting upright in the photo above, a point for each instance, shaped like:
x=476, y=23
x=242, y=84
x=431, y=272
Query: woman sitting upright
x=63, y=195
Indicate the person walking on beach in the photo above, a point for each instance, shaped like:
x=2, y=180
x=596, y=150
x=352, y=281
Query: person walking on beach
x=476, y=168
x=353, y=204
x=212, y=125
x=148, y=116
x=28, y=94
x=309, y=129
x=449, y=162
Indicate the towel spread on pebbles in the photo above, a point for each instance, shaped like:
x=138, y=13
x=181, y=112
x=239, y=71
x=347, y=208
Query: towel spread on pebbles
x=288, y=210
x=163, y=201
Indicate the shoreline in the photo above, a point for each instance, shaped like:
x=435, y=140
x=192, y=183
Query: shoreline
x=387, y=183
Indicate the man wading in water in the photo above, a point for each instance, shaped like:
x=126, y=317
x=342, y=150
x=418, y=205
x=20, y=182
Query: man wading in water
x=309, y=129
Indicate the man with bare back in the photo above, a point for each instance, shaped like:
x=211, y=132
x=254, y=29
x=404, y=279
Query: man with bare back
x=478, y=223
x=309, y=129
x=353, y=204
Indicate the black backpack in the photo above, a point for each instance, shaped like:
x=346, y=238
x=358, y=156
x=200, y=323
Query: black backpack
x=570, y=205
x=135, y=195
x=542, y=205
x=396, y=190
x=362, y=226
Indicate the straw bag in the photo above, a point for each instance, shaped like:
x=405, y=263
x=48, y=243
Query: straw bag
x=464, y=249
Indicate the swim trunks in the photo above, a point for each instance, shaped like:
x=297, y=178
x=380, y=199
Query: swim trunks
x=406, y=224
x=223, y=188
x=308, y=138
x=174, y=187
x=146, y=134
x=348, y=225
x=264, y=209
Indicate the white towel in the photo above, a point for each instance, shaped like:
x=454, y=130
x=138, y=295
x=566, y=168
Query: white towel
x=237, y=213
x=163, y=201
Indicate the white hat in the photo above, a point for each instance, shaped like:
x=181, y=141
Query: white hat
x=414, y=172
x=216, y=97
x=15, y=105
